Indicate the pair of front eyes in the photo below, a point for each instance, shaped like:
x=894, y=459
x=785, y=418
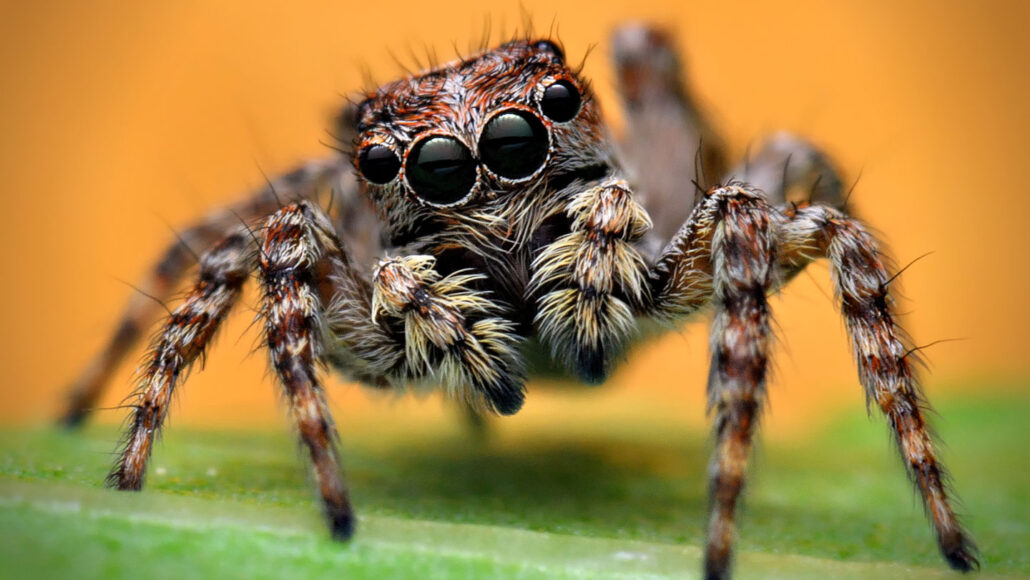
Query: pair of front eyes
x=441, y=170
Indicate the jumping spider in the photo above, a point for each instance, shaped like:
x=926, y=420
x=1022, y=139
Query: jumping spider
x=487, y=215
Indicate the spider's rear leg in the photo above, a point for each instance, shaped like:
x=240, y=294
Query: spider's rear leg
x=665, y=128
x=885, y=365
x=184, y=337
x=176, y=261
x=726, y=254
x=789, y=169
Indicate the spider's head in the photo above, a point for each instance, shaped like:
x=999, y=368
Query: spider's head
x=477, y=136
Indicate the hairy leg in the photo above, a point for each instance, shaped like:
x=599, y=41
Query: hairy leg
x=185, y=336
x=668, y=143
x=790, y=169
x=176, y=261
x=686, y=276
x=725, y=254
x=590, y=281
x=293, y=264
x=885, y=361
x=743, y=254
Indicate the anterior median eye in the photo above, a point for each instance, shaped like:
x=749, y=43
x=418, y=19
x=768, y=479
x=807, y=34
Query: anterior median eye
x=378, y=163
x=441, y=169
x=514, y=144
x=560, y=101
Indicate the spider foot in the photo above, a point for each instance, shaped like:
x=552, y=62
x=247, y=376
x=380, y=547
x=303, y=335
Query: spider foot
x=960, y=552
x=342, y=522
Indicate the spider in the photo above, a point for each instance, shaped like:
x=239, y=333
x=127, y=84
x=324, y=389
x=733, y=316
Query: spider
x=486, y=220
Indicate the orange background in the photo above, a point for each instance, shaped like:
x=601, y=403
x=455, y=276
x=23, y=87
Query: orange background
x=119, y=118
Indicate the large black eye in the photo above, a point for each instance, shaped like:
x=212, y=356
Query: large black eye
x=378, y=163
x=560, y=101
x=441, y=170
x=514, y=144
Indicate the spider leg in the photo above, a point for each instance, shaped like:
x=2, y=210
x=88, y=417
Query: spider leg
x=725, y=255
x=885, y=362
x=668, y=142
x=184, y=337
x=176, y=261
x=296, y=243
x=790, y=169
x=589, y=282
x=319, y=309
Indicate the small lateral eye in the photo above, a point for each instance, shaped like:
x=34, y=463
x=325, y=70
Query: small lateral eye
x=551, y=48
x=514, y=144
x=441, y=170
x=560, y=101
x=378, y=164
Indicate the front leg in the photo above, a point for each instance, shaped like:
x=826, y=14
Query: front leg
x=590, y=281
x=408, y=325
x=297, y=250
x=732, y=252
x=453, y=334
x=725, y=255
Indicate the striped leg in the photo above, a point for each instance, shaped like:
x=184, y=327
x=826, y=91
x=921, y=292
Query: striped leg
x=175, y=263
x=743, y=259
x=725, y=254
x=297, y=255
x=408, y=324
x=884, y=359
x=733, y=233
x=185, y=336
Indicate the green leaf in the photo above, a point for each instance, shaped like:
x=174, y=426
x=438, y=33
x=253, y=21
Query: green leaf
x=617, y=500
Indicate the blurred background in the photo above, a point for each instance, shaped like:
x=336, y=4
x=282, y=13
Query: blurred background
x=123, y=121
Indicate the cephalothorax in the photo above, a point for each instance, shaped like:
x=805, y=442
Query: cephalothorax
x=486, y=214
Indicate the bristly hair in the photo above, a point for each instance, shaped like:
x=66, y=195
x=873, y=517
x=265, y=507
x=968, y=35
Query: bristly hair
x=485, y=34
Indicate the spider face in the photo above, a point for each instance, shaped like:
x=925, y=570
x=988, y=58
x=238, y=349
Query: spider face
x=467, y=136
